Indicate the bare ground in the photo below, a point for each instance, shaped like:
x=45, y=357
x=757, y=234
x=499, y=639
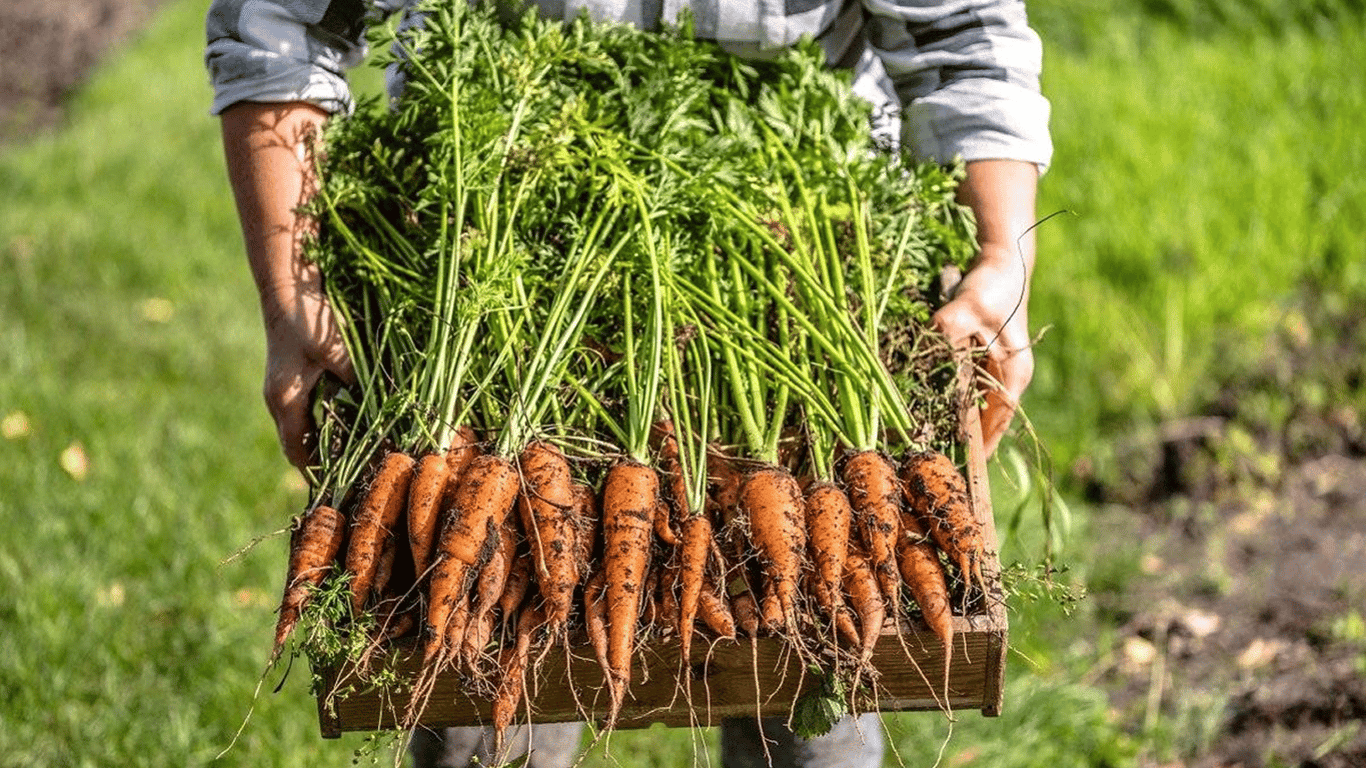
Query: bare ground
x=46, y=50
x=1246, y=632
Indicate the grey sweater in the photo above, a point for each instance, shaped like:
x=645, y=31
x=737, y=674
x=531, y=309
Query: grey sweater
x=949, y=78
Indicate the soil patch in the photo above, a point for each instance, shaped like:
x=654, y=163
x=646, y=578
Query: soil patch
x=1247, y=633
x=48, y=48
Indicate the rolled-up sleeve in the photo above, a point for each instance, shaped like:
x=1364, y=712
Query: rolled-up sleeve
x=967, y=75
x=283, y=50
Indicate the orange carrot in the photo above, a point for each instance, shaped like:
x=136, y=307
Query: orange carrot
x=454, y=640
x=595, y=620
x=384, y=567
x=714, y=612
x=485, y=495
x=629, y=500
x=489, y=588
x=462, y=450
x=314, y=543
x=425, y=495
x=773, y=503
x=939, y=495
x=697, y=540
x=724, y=481
x=771, y=616
x=481, y=503
x=827, y=520
x=746, y=613
x=865, y=596
x=374, y=522
x=547, y=503
x=586, y=521
x=518, y=584
x=875, y=495
x=925, y=578
x=650, y=612
x=399, y=622
x=513, y=662
x=671, y=468
x=668, y=596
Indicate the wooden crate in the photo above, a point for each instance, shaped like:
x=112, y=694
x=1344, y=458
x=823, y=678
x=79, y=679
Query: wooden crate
x=728, y=678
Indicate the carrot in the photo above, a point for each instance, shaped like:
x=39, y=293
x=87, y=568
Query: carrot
x=714, y=612
x=924, y=576
x=865, y=596
x=773, y=503
x=399, y=622
x=481, y=503
x=488, y=590
x=485, y=495
x=629, y=501
x=462, y=450
x=374, y=522
x=846, y=626
x=547, y=503
x=595, y=620
x=828, y=515
x=651, y=614
x=513, y=661
x=425, y=495
x=771, y=616
x=697, y=540
x=746, y=613
x=668, y=596
x=725, y=482
x=939, y=495
x=454, y=640
x=384, y=567
x=875, y=495
x=672, y=469
x=586, y=521
x=314, y=543
x=517, y=585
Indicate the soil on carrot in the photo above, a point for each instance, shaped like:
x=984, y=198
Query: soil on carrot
x=1245, y=631
x=47, y=49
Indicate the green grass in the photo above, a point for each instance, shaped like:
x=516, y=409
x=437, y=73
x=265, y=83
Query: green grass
x=1209, y=171
x=1207, y=178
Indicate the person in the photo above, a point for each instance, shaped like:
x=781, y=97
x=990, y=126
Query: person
x=951, y=79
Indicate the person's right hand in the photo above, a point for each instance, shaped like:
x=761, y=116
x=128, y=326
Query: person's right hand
x=302, y=343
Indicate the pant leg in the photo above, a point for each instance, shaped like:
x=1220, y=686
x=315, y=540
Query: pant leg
x=852, y=743
x=552, y=745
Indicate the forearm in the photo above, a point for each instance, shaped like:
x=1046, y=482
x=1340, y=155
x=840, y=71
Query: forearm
x=1002, y=194
x=267, y=149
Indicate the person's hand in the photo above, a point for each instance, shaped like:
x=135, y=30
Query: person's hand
x=988, y=315
x=303, y=342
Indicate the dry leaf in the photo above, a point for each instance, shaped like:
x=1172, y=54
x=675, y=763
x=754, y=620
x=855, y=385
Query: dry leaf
x=15, y=425
x=156, y=310
x=74, y=461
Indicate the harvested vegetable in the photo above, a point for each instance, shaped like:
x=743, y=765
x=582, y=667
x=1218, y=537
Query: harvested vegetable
x=313, y=546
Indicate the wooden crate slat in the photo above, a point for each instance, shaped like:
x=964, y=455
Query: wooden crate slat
x=723, y=684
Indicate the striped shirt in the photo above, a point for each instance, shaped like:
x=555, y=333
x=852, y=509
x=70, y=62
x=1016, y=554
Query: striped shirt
x=949, y=78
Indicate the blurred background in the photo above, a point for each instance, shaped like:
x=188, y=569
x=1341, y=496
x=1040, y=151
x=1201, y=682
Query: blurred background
x=1185, y=500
